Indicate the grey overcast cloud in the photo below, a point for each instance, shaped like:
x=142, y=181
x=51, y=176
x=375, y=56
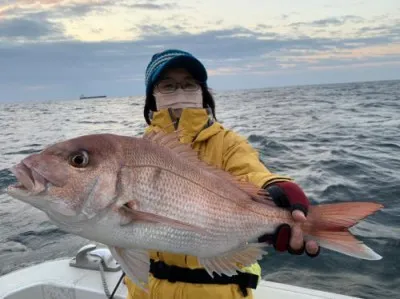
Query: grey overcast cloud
x=53, y=49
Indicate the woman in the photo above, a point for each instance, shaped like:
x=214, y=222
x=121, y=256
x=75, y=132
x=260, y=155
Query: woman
x=177, y=97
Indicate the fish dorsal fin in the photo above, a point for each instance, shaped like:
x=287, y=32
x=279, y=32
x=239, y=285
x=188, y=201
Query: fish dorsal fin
x=184, y=150
x=231, y=262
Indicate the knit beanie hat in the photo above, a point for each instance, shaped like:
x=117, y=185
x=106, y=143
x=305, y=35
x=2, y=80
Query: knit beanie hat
x=173, y=58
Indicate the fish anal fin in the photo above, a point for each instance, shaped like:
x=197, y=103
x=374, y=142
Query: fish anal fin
x=231, y=262
x=135, y=263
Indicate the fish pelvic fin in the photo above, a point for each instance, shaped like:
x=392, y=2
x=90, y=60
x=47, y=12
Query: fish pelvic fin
x=185, y=151
x=329, y=224
x=231, y=262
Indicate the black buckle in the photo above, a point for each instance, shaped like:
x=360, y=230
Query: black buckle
x=247, y=280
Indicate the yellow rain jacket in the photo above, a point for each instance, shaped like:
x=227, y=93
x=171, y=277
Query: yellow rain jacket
x=224, y=149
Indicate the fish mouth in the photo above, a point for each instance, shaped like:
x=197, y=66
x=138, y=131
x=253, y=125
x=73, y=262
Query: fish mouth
x=30, y=182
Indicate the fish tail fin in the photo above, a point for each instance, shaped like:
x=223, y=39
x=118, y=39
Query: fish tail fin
x=329, y=224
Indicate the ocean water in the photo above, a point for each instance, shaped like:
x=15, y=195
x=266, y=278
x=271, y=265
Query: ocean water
x=339, y=142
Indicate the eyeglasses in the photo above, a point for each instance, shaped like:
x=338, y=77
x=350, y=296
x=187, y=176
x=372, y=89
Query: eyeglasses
x=169, y=85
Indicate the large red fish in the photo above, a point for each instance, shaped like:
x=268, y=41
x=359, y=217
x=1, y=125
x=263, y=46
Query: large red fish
x=153, y=193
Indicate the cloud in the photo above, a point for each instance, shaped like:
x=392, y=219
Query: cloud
x=341, y=59
x=81, y=9
x=392, y=30
x=263, y=26
x=373, y=28
x=29, y=28
x=32, y=20
x=73, y=67
x=357, y=64
x=146, y=30
x=9, y=11
x=55, y=8
x=330, y=21
x=63, y=67
x=40, y=2
x=325, y=22
x=152, y=6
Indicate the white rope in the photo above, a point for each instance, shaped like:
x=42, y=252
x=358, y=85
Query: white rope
x=103, y=280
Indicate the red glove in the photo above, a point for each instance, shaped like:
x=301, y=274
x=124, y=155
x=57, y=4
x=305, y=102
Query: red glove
x=290, y=196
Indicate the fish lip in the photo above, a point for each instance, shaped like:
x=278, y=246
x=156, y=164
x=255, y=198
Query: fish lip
x=29, y=182
x=32, y=165
x=23, y=175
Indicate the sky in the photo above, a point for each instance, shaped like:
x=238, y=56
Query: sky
x=56, y=49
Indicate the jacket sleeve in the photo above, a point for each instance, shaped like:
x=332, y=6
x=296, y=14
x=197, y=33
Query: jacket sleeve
x=242, y=160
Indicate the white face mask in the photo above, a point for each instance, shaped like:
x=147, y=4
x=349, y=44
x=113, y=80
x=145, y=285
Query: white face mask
x=179, y=99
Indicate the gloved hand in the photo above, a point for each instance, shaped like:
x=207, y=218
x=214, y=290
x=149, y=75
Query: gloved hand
x=290, y=196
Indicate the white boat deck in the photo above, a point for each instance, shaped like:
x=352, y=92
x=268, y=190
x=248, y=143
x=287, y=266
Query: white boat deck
x=57, y=279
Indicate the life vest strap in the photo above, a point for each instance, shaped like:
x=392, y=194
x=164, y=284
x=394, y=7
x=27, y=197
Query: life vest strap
x=161, y=270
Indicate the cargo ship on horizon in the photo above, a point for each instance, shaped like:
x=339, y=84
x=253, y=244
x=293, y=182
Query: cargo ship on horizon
x=82, y=97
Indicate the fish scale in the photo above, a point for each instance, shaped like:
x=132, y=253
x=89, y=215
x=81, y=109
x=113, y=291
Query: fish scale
x=191, y=203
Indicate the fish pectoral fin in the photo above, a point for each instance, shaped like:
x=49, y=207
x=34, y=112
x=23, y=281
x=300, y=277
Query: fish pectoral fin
x=135, y=264
x=230, y=262
x=149, y=217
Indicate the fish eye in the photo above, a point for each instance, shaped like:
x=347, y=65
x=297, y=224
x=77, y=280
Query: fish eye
x=79, y=159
